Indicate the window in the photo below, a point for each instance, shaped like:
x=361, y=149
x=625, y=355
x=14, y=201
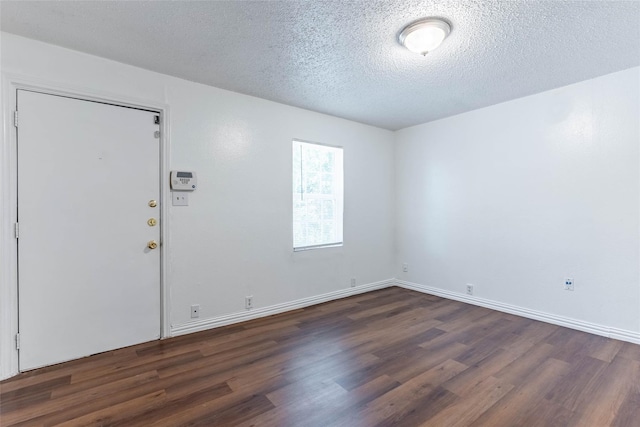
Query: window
x=317, y=195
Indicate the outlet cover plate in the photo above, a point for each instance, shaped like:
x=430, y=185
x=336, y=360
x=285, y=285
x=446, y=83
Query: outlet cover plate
x=568, y=285
x=195, y=311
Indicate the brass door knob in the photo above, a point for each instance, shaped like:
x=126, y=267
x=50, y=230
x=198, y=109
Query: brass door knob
x=152, y=222
x=153, y=203
x=152, y=244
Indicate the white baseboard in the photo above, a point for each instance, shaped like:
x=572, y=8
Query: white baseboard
x=228, y=319
x=594, y=328
x=201, y=325
x=624, y=335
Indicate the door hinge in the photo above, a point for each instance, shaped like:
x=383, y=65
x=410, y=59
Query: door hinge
x=16, y=229
x=18, y=341
x=15, y=118
x=156, y=120
x=156, y=134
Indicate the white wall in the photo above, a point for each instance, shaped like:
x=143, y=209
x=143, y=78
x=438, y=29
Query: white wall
x=516, y=197
x=512, y=198
x=235, y=238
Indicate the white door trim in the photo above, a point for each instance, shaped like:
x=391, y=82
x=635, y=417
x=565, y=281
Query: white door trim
x=9, y=365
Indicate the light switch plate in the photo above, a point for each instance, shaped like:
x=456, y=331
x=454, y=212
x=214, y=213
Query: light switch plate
x=180, y=198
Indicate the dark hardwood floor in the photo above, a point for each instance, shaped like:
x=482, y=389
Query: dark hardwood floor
x=393, y=357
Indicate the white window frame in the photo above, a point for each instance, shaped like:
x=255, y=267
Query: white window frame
x=338, y=195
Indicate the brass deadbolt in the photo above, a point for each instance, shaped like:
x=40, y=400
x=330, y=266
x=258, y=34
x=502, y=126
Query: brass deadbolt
x=152, y=222
x=152, y=244
x=153, y=203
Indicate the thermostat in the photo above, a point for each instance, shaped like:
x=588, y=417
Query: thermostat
x=183, y=181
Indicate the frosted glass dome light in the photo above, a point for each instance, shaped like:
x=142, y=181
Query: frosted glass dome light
x=425, y=35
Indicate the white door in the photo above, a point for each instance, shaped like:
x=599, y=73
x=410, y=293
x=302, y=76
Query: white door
x=87, y=175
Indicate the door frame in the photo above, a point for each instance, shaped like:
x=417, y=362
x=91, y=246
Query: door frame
x=11, y=83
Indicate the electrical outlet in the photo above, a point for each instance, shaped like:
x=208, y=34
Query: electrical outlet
x=405, y=268
x=195, y=311
x=353, y=282
x=248, y=302
x=469, y=289
x=568, y=285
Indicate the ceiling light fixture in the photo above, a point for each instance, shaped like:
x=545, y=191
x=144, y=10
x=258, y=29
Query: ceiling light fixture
x=424, y=35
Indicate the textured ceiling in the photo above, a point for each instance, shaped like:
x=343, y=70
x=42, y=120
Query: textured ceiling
x=342, y=57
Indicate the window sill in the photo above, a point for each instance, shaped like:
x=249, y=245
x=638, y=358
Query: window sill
x=309, y=248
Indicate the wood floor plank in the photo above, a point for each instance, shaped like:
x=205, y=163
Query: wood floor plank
x=394, y=405
x=614, y=386
x=629, y=351
x=547, y=413
x=75, y=406
x=63, y=369
x=419, y=410
x=30, y=395
x=99, y=392
x=583, y=372
x=125, y=369
x=218, y=412
x=391, y=357
x=115, y=413
x=605, y=349
x=297, y=407
x=414, y=362
x=486, y=368
x=516, y=371
x=176, y=400
x=335, y=409
x=629, y=411
x=521, y=400
x=530, y=336
x=482, y=396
